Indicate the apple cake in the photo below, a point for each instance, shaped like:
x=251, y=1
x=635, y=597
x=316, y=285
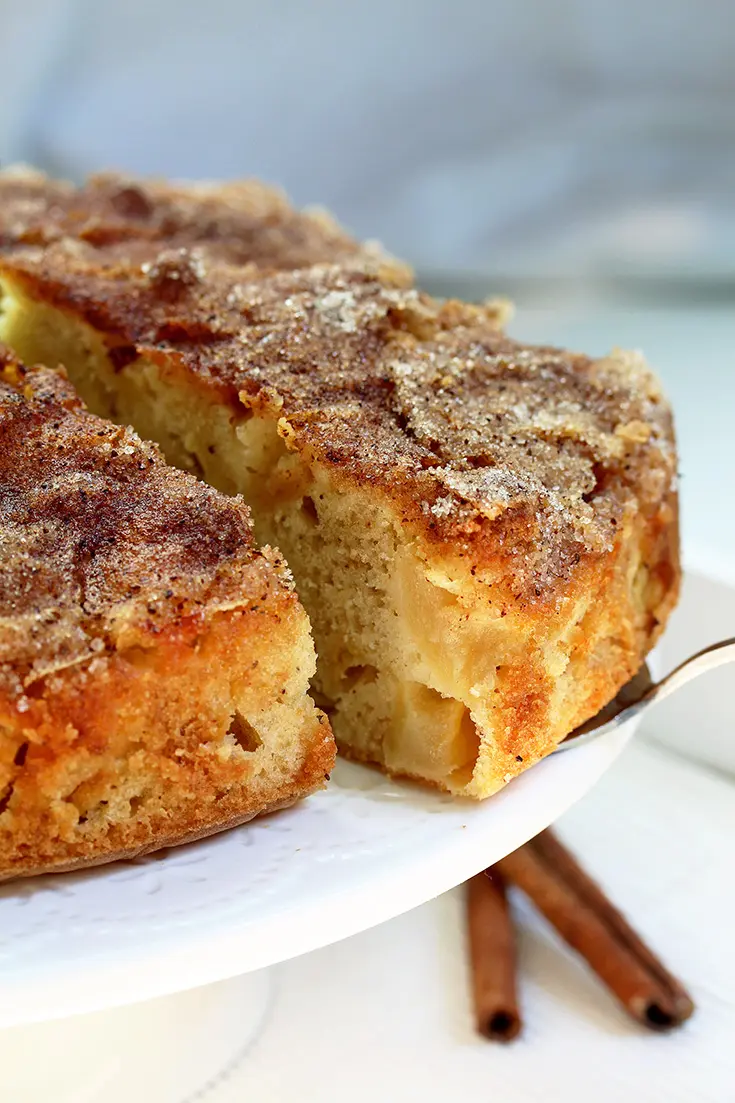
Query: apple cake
x=483, y=533
x=154, y=665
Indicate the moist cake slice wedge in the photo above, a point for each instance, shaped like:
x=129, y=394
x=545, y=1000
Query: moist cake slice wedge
x=483, y=533
x=154, y=665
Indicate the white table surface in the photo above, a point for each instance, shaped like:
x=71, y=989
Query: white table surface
x=385, y=1016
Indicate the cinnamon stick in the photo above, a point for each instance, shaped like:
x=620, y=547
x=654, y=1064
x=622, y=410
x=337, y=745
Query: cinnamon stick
x=579, y=910
x=492, y=958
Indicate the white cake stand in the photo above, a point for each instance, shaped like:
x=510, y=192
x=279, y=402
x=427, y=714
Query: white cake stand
x=359, y=853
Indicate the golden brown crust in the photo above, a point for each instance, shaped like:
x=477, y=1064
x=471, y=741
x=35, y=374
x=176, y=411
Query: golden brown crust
x=32, y=868
x=128, y=753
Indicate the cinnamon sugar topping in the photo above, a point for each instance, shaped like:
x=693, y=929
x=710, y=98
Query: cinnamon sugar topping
x=98, y=534
x=535, y=451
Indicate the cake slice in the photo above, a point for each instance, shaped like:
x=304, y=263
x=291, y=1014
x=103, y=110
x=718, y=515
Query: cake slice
x=484, y=534
x=154, y=664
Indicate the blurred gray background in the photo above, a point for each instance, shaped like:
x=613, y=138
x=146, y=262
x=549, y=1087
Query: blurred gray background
x=573, y=138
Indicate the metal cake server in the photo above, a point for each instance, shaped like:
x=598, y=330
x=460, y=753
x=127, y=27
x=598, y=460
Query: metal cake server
x=641, y=692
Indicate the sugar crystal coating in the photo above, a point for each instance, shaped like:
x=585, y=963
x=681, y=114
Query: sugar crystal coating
x=532, y=453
